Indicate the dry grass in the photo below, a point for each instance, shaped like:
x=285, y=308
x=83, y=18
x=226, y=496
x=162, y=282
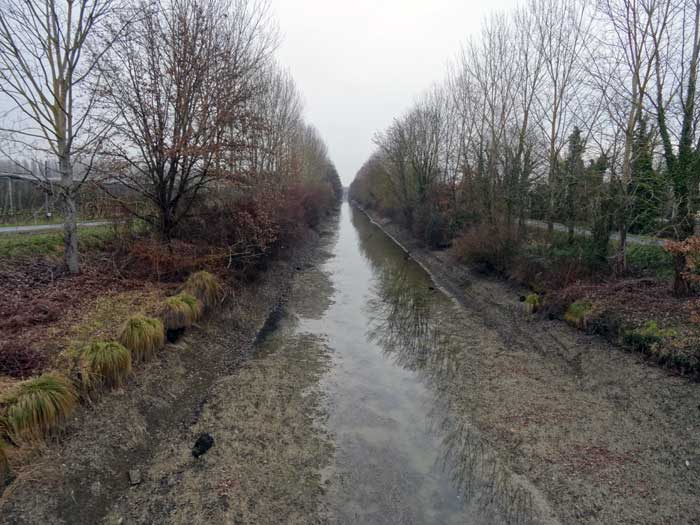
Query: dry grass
x=205, y=287
x=104, y=365
x=102, y=319
x=143, y=336
x=36, y=407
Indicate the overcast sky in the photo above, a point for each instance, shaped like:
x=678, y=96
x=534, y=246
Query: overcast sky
x=360, y=63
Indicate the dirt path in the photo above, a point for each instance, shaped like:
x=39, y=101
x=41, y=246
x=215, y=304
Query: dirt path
x=606, y=437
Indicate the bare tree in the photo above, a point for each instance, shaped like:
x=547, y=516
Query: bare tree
x=46, y=64
x=676, y=62
x=561, y=30
x=182, y=84
x=629, y=41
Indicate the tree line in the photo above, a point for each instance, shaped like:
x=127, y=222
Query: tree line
x=177, y=101
x=565, y=111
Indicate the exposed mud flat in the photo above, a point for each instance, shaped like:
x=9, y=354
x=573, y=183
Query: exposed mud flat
x=604, y=436
x=264, y=466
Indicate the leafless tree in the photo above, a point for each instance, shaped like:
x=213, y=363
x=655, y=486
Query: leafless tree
x=181, y=84
x=48, y=56
x=628, y=40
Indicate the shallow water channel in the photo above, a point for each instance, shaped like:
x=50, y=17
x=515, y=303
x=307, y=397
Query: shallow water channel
x=398, y=391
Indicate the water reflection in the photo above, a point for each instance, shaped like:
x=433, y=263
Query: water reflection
x=419, y=329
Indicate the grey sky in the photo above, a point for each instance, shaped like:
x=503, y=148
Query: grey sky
x=361, y=63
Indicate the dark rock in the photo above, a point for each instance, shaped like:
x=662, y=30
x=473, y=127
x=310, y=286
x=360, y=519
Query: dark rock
x=173, y=335
x=522, y=298
x=202, y=445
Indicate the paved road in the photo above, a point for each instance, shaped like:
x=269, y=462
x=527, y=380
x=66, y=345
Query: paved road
x=634, y=239
x=47, y=227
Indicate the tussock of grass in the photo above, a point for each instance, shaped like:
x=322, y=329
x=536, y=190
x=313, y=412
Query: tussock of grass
x=104, y=365
x=193, y=303
x=4, y=464
x=576, y=314
x=181, y=311
x=37, y=406
x=143, y=336
x=205, y=287
x=532, y=303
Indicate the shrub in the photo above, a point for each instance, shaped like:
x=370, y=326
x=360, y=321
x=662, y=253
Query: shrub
x=37, y=406
x=143, y=336
x=646, y=338
x=650, y=260
x=104, y=365
x=205, y=287
x=576, y=314
x=170, y=261
x=492, y=246
x=181, y=311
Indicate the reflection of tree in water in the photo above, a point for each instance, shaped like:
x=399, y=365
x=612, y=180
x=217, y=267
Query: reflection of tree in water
x=418, y=329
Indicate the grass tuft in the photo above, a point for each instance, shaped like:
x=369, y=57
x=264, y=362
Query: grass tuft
x=104, y=365
x=181, y=311
x=533, y=303
x=5, y=471
x=143, y=336
x=577, y=313
x=37, y=406
x=205, y=287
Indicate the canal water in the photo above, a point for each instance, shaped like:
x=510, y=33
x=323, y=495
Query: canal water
x=399, y=391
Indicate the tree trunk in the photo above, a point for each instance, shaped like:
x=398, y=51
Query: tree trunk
x=621, y=259
x=71, y=255
x=681, y=286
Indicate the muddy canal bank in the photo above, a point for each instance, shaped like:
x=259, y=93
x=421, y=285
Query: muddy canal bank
x=602, y=435
x=151, y=425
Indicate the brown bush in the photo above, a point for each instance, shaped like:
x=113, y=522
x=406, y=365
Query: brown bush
x=168, y=261
x=493, y=247
x=250, y=226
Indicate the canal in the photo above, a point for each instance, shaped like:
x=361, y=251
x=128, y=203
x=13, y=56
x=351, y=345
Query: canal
x=398, y=391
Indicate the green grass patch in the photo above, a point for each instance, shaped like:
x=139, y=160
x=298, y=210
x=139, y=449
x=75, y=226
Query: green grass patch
x=533, y=302
x=143, y=336
x=104, y=365
x=23, y=245
x=577, y=313
x=647, y=338
x=34, y=408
